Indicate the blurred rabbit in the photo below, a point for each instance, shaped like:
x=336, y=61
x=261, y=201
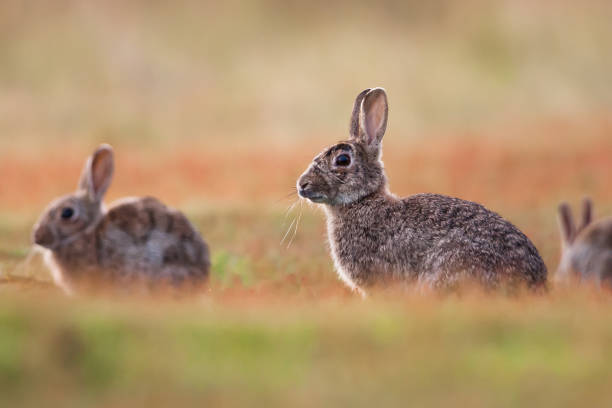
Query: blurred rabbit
x=136, y=241
x=429, y=239
x=586, y=249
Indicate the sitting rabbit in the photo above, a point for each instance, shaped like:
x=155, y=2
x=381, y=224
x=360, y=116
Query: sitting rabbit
x=429, y=239
x=586, y=249
x=134, y=241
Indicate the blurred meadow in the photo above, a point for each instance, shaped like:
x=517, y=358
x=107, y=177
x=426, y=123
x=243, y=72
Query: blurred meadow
x=216, y=108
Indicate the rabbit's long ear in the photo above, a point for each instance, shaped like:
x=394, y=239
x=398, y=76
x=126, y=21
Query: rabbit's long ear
x=373, y=117
x=98, y=173
x=566, y=224
x=587, y=213
x=355, y=127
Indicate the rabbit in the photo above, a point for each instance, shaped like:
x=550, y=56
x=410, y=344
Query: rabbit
x=586, y=254
x=427, y=241
x=135, y=242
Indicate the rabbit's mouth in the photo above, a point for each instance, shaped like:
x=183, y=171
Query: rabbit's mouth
x=313, y=196
x=318, y=199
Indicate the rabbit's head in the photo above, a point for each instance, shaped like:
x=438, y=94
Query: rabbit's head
x=68, y=216
x=587, y=248
x=351, y=170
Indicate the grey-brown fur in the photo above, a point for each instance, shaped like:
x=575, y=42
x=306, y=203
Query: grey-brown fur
x=427, y=239
x=586, y=248
x=137, y=241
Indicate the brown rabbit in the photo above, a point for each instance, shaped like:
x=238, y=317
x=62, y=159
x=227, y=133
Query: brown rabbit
x=137, y=241
x=586, y=249
x=430, y=239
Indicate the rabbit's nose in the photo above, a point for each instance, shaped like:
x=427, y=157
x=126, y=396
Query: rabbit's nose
x=43, y=237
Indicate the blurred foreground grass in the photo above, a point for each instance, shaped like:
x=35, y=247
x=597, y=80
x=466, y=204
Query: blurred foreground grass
x=479, y=352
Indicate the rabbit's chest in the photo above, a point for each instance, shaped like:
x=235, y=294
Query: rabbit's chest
x=362, y=249
x=357, y=237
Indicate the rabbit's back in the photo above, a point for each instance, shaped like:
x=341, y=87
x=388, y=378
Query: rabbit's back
x=433, y=239
x=143, y=239
x=465, y=236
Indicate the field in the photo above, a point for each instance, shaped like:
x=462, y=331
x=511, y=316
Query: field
x=216, y=110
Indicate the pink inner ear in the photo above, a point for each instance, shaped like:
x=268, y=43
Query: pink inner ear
x=101, y=169
x=374, y=119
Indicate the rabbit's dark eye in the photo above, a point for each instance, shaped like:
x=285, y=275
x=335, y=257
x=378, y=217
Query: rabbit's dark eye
x=67, y=213
x=343, y=160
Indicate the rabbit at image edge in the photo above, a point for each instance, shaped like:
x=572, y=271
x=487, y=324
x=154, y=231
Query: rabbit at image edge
x=586, y=255
x=428, y=239
x=134, y=241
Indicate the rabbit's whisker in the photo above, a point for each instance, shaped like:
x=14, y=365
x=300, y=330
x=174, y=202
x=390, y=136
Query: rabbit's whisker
x=299, y=218
x=24, y=265
x=291, y=194
x=288, y=229
x=291, y=207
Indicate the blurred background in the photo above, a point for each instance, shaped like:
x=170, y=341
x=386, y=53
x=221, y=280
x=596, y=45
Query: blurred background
x=217, y=107
x=287, y=71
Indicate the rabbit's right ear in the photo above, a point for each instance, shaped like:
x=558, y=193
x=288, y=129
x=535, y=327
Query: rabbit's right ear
x=98, y=173
x=587, y=213
x=566, y=224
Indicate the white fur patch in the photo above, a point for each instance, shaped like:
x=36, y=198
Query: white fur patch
x=56, y=272
x=342, y=274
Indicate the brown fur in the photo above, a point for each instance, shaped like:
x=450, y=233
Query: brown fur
x=137, y=241
x=429, y=239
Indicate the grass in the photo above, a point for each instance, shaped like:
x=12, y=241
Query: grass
x=216, y=108
x=430, y=352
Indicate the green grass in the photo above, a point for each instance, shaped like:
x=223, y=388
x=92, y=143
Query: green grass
x=414, y=352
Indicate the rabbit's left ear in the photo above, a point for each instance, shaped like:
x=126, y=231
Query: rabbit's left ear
x=373, y=115
x=566, y=224
x=98, y=173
